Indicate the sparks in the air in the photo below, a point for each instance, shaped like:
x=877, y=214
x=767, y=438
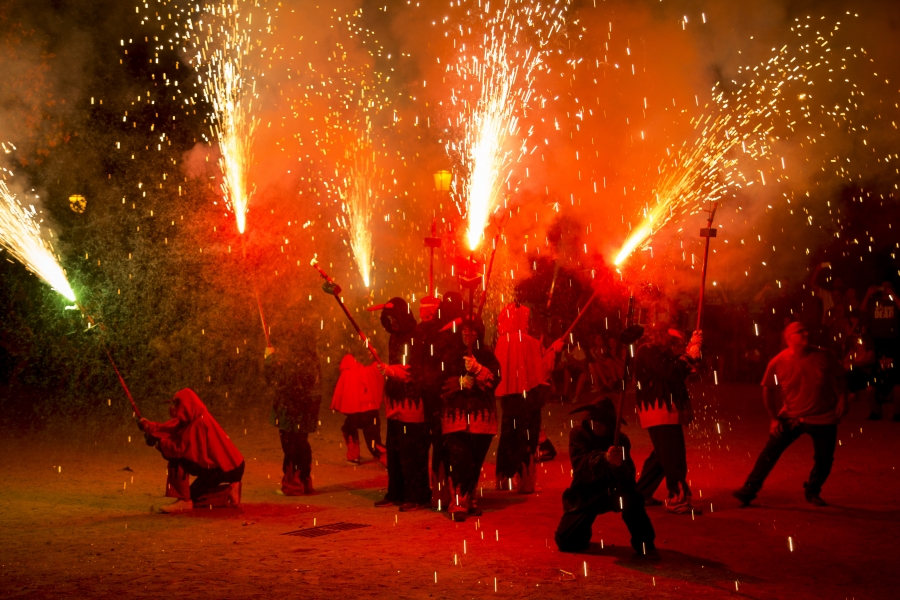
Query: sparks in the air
x=20, y=235
x=492, y=142
x=358, y=195
x=220, y=60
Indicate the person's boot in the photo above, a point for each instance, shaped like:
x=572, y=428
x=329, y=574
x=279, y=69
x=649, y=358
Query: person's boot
x=744, y=495
x=812, y=497
x=528, y=479
x=352, y=449
x=217, y=497
x=179, y=506
x=291, y=484
x=441, y=495
x=234, y=495
x=546, y=450
x=307, y=485
x=458, y=507
x=645, y=550
x=472, y=508
x=680, y=504
x=380, y=454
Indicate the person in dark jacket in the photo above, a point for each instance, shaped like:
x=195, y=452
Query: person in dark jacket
x=292, y=370
x=469, y=413
x=195, y=444
x=602, y=481
x=407, y=430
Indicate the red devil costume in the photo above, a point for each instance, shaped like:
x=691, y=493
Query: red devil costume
x=293, y=372
x=430, y=372
x=407, y=431
x=525, y=368
x=664, y=407
x=469, y=413
x=358, y=396
x=195, y=444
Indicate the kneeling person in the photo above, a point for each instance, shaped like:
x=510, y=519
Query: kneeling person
x=195, y=444
x=602, y=481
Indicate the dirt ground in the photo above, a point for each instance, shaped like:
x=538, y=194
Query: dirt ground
x=74, y=522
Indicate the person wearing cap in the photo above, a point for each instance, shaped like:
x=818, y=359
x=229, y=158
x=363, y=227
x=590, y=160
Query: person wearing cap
x=468, y=414
x=525, y=367
x=407, y=432
x=602, y=481
x=664, y=407
x=293, y=372
x=803, y=391
x=195, y=444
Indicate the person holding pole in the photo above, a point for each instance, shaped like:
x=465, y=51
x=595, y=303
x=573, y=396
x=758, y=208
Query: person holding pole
x=407, y=432
x=664, y=408
x=195, y=444
x=803, y=390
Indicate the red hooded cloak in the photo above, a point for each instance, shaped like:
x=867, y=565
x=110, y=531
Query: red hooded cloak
x=195, y=435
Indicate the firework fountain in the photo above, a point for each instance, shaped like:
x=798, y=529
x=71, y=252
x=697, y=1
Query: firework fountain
x=20, y=235
x=515, y=41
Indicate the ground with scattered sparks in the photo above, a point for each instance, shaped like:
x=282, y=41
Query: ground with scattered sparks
x=87, y=530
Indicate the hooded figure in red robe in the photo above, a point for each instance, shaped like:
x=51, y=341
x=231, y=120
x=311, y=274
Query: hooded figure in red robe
x=195, y=444
x=358, y=395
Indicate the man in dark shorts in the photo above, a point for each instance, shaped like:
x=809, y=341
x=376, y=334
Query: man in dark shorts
x=812, y=400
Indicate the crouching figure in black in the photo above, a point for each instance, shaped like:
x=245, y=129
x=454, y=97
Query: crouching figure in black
x=602, y=481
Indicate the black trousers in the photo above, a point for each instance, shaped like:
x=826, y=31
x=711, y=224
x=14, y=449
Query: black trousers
x=407, y=462
x=370, y=422
x=297, y=452
x=667, y=461
x=576, y=527
x=519, y=437
x=207, y=480
x=465, y=453
x=824, y=438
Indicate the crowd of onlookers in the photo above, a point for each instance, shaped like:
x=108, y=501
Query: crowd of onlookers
x=862, y=331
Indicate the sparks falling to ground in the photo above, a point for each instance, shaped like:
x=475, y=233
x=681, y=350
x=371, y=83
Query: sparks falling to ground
x=20, y=235
x=514, y=43
x=221, y=47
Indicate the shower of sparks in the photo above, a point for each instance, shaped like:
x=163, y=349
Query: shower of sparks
x=494, y=89
x=698, y=174
x=20, y=235
x=221, y=41
x=358, y=203
x=771, y=107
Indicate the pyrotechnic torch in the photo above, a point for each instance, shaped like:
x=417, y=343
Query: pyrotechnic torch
x=708, y=232
x=631, y=334
x=332, y=288
x=92, y=323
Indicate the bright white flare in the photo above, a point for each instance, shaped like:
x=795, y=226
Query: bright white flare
x=220, y=54
x=358, y=199
x=514, y=43
x=20, y=234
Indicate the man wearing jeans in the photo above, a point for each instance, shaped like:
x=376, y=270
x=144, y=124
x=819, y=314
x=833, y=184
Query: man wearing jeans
x=812, y=400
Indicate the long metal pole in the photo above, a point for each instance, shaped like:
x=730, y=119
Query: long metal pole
x=625, y=375
x=708, y=233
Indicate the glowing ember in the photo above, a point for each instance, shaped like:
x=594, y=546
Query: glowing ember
x=20, y=234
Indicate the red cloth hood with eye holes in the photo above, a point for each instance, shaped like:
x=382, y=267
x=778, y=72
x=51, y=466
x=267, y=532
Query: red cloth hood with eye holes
x=196, y=436
x=520, y=355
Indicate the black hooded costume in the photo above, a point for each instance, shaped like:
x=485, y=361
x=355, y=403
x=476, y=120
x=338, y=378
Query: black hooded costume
x=407, y=429
x=598, y=487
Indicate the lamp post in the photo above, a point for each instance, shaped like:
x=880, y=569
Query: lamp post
x=442, y=181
